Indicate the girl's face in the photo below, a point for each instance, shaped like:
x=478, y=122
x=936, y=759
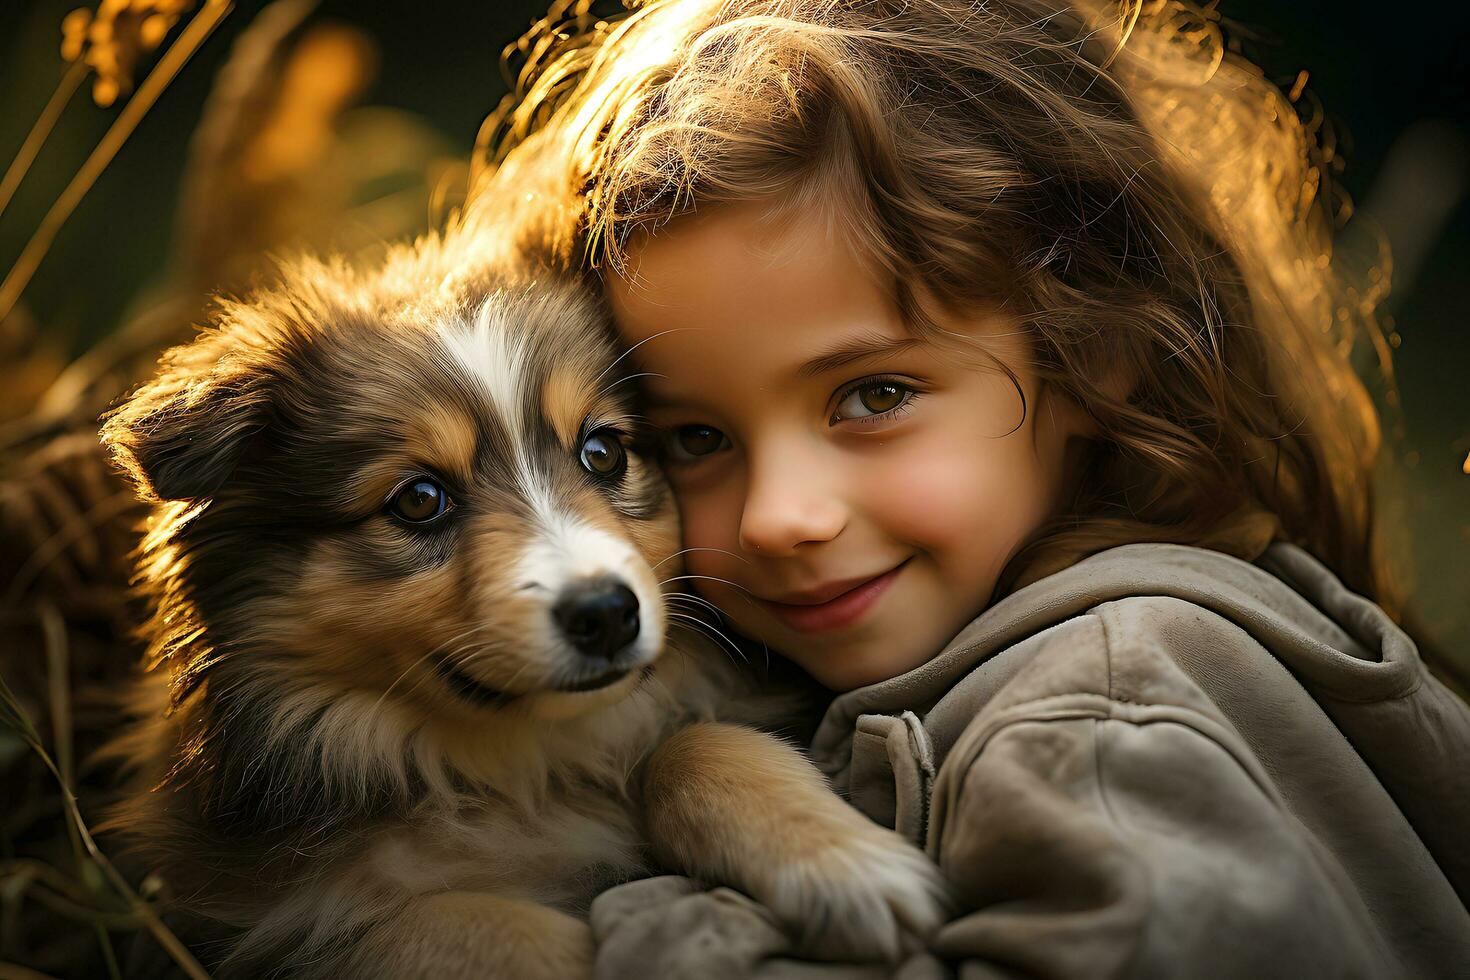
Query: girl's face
x=850, y=494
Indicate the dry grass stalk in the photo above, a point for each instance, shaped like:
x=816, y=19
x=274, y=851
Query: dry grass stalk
x=163, y=73
x=36, y=138
x=113, y=40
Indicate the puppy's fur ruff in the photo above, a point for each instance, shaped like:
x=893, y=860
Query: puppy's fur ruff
x=354, y=753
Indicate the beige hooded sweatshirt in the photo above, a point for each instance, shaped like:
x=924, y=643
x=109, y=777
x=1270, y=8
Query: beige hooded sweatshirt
x=1160, y=762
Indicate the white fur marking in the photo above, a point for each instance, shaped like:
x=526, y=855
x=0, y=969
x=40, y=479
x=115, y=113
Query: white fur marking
x=493, y=357
x=497, y=362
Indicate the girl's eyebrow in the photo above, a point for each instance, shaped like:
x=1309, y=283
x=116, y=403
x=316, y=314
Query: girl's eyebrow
x=856, y=349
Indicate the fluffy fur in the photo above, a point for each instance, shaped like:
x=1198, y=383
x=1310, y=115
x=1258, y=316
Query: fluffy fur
x=364, y=746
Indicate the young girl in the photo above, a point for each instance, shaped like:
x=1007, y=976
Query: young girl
x=1003, y=383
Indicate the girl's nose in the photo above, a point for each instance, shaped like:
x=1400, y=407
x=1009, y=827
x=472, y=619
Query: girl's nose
x=788, y=504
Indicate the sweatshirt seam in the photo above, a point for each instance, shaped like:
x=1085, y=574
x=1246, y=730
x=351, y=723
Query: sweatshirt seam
x=1097, y=767
x=1098, y=720
x=1118, y=711
x=1107, y=639
x=1316, y=688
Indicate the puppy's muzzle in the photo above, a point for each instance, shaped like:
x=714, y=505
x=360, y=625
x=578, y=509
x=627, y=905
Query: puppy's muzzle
x=598, y=617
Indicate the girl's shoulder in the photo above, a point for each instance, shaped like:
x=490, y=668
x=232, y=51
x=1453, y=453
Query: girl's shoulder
x=1206, y=611
x=1215, y=616
x=1144, y=662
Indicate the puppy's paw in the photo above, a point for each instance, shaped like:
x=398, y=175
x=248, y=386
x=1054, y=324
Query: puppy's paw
x=866, y=895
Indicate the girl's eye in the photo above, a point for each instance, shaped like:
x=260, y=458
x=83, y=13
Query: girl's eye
x=872, y=399
x=603, y=455
x=690, y=442
x=419, y=501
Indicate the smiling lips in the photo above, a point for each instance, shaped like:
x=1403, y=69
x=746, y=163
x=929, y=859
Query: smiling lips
x=838, y=605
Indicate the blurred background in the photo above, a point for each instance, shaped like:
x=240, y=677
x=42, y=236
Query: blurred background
x=343, y=125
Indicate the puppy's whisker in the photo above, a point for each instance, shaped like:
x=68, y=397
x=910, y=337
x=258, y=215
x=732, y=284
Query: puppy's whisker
x=458, y=639
x=685, y=551
x=696, y=600
x=627, y=377
x=436, y=650
x=463, y=656
x=701, y=626
x=671, y=557
x=618, y=360
x=745, y=595
x=704, y=615
x=709, y=578
x=373, y=711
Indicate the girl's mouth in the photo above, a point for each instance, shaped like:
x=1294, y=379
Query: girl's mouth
x=839, y=611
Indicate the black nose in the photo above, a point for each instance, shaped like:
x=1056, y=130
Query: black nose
x=599, y=618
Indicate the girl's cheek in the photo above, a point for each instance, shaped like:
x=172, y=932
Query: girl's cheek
x=937, y=495
x=923, y=510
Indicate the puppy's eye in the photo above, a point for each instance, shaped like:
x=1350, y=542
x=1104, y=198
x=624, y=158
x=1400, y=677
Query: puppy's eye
x=603, y=455
x=418, y=501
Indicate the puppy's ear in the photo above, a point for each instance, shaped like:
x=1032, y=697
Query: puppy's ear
x=181, y=435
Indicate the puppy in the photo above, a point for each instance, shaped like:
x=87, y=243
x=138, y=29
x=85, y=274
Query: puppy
x=411, y=703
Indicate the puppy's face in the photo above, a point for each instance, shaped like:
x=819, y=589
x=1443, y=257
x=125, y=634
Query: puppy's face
x=447, y=510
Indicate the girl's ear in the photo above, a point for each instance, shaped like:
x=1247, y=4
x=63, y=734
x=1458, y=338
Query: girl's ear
x=1118, y=383
x=180, y=436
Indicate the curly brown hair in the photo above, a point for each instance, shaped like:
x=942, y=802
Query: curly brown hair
x=1137, y=194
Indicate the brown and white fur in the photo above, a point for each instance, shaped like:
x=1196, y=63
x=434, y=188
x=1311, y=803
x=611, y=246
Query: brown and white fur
x=363, y=747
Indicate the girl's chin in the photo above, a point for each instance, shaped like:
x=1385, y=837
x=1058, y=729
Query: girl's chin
x=840, y=668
